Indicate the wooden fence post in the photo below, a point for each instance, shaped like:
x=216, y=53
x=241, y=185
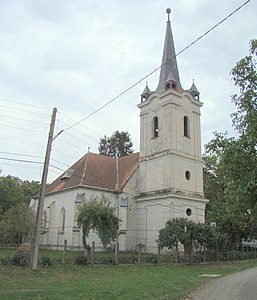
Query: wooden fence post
x=139, y=253
x=92, y=254
x=64, y=252
x=158, y=254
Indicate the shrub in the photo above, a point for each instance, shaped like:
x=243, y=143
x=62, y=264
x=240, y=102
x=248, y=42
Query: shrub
x=47, y=261
x=110, y=260
x=19, y=259
x=152, y=259
x=80, y=260
x=5, y=260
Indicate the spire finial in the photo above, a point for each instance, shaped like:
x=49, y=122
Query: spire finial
x=168, y=11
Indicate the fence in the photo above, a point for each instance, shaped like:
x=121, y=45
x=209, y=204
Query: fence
x=162, y=256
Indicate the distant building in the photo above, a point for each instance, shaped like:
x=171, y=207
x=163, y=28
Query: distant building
x=163, y=181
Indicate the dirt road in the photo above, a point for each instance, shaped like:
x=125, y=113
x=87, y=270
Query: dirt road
x=239, y=286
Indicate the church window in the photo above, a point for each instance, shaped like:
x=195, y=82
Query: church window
x=62, y=220
x=186, y=127
x=167, y=86
x=188, y=212
x=187, y=175
x=155, y=127
x=173, y=85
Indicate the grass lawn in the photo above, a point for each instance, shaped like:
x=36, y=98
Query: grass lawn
x=108, y=282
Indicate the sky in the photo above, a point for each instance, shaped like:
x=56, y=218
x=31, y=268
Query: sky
x=77, y=55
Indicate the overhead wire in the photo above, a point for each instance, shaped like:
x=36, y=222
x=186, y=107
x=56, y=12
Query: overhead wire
x=25, y=129
x=26, y=120
x=82, y=125
x=156, y=69
x=119, y=95
x=24, y=110
x=25, y=104
x=22, y=160
x=20, y=154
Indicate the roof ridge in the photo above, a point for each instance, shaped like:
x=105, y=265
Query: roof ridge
x=85, y=168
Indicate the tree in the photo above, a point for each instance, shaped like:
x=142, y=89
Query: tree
x=97, y=214
x=17, y=224
x=231, y=163
x=185, y=232
x=118, y=142
x=14, y=191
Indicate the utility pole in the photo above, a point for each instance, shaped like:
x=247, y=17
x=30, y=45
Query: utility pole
x=36, y=237
x=118, y=203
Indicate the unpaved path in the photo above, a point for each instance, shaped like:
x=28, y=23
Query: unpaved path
x=238, y=286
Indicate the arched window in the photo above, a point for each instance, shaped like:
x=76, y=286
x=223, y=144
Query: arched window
x=155, y=127
x=62, y=220
x=186, y=126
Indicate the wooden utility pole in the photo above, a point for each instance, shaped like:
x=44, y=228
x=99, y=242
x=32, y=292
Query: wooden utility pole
x=36, y=238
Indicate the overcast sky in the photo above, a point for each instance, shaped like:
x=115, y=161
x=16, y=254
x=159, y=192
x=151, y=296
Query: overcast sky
x=77, y=55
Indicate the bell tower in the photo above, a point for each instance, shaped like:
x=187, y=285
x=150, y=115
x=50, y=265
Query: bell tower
x=170, y=166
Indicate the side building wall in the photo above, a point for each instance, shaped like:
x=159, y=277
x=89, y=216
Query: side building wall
x=154, y=211
x=59, y=218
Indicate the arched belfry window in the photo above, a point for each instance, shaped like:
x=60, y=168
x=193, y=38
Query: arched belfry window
x=186, y=126
x=155, y=127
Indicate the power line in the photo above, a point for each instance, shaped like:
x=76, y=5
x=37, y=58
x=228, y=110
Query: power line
x=20, y=142
x=24, y=110
x=19, y=154
x=25, y=129
x=59, y=162
x=84, y=142
x=26, y=120
x=93, y=131
x=21, y=103
x=82, y=149
x=22, y=160
x=21, y=166
x=149, y=74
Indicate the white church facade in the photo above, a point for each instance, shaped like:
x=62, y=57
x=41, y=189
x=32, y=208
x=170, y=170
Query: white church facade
x=163, y=181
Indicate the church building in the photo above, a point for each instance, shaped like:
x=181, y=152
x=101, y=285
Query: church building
x=163, y=181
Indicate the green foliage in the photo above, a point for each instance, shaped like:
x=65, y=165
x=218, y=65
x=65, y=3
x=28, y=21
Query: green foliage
x=244, y=75
x=14, y=191
x=110, y=260
x=17, y=224
x=47, y=261
x=231, y=163
x=20, y=259
x=5, y=260
x=97, y=214
x=118, y=141
x=80, y=260
x=186, y=232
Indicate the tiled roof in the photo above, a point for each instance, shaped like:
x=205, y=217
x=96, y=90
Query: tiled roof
x=97, y=171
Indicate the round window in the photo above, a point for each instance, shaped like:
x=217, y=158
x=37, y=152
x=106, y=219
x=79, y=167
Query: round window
x=187, y=175
x=189, y=212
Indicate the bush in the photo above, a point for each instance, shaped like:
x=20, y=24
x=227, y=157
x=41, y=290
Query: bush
x=19, y=259
x=80, y=260
x=110, y=260
x=47, y=261
x=151, y=259
x=5, y=260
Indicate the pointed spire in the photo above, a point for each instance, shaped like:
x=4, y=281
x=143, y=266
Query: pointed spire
x=194, y=91
x=146, y=93
x=169, y=63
